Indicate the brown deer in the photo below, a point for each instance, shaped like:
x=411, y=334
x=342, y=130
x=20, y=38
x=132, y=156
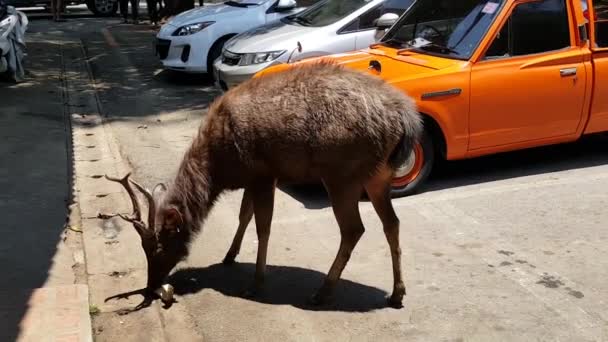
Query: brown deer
x=313, y=122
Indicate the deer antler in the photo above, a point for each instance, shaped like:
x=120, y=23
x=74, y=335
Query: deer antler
x=134, y=218
x=151, y=203
x=146, y=233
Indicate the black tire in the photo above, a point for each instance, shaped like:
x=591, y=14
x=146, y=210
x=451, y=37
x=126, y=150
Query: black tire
x=414, y=186
x=103, y=8
x=214, y=53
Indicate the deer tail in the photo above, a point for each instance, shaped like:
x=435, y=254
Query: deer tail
x=412, y=127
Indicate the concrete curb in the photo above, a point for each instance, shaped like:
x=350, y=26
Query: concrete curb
x=59, y=309
x=58, y=313
x=114, y=258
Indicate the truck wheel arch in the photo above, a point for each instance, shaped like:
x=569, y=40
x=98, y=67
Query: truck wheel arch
x=434, y=129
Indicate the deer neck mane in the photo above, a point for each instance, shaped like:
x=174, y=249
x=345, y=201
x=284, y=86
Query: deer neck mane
x=193, y=191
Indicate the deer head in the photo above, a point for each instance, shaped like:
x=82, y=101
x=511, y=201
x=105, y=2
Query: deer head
x=159, y=238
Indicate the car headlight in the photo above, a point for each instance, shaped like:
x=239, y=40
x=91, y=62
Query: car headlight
x=191, y=28
x=260, y=57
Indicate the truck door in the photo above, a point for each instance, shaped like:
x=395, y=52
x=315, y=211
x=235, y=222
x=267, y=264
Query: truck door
x=597, y=15
x=530, y=84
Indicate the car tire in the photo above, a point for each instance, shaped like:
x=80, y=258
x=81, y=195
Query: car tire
x=103, y=8
x=411, y=179
x=214, y=53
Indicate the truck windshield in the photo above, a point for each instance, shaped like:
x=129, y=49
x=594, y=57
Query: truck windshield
x=446, y=27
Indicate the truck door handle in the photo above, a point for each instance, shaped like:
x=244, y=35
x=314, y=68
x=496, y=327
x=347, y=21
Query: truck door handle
x=567, y=72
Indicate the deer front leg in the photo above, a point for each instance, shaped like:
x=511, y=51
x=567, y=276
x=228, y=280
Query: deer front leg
x=263, y=205
x=244, y=218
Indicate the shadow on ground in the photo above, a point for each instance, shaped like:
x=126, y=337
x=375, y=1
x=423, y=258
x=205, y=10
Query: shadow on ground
x=312, y=196
x=587, y=152
x=138, y=85
x=284, y=286
x=35, y=182
x=177, y=78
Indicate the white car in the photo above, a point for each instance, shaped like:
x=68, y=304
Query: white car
x=192, y=40
x=328, y=27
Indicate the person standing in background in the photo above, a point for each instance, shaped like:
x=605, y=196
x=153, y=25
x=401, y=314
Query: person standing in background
x=124, y=10
x=153, y=11
x=57, y=8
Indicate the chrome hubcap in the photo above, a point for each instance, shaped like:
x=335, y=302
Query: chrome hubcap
x=406, y=167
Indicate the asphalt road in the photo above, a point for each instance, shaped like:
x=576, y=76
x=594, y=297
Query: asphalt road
x=509, y=247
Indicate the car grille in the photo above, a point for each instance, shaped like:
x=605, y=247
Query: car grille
x=230, y=58
x=162, y=47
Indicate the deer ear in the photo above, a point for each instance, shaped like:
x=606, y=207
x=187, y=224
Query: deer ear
x=158, y=191
x=173, y=218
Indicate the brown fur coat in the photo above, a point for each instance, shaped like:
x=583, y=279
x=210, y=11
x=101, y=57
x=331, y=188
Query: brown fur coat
x=311, y=122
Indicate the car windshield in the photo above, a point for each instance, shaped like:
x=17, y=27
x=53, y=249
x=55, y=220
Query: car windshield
x=446, y=27
x=326, y=12
x=244, y=3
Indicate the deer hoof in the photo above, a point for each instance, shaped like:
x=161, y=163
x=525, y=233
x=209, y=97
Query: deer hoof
x=320, y=298
x=396, y=299
x=395, y=303
x=229, y=259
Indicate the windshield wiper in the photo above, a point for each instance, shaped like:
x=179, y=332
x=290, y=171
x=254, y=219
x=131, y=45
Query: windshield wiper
x=393, y=42
x=301, y=20
x=434, y=47
x=238, y=4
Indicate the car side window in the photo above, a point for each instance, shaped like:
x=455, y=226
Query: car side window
x=600, y=8
x=299, y=3
x=533, y=27
x=367, y=20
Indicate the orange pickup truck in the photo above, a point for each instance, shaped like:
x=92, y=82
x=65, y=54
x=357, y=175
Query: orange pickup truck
x=491, y=76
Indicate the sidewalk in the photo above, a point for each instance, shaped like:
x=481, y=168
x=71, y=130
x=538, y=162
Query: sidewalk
x=44, y=295
x=59, y=148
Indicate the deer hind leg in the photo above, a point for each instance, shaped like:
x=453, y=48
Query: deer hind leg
x=245, y=216
x=263, y=205
x=345, y=204
x=378, y=189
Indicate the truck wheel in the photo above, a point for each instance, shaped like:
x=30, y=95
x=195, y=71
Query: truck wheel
x=410, y=177
x=103, y=8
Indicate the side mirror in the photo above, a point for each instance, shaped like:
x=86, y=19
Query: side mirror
x=284, y=5
x=386, y=20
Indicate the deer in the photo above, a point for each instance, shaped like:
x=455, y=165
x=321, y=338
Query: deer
x=314, y=122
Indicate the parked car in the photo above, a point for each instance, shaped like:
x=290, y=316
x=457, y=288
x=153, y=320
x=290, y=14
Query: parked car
x=101, y=8
x=330, y=26
x=491, y=76
x=192, y=40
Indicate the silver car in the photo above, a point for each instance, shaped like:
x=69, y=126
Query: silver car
x=328, y=27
